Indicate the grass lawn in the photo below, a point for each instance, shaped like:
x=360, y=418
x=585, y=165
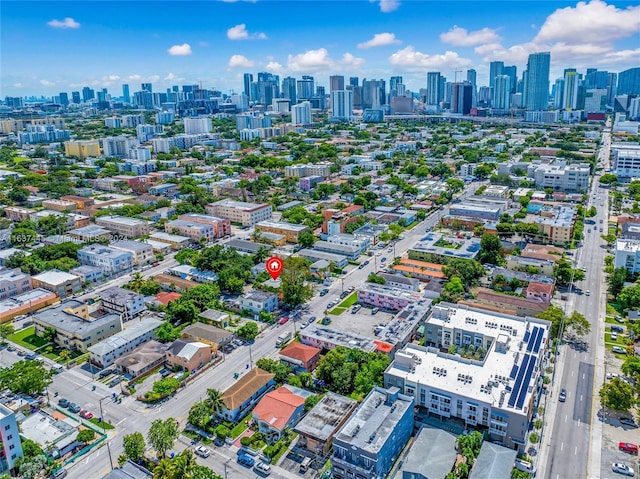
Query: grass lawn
x=27, y=338
x=616, y=342
x=612, y=320
x=282, y=450
x=103, y=424
x=53, y=353
x=349, y=301
x=240, y=427
x=337, y=311
x=611, y=309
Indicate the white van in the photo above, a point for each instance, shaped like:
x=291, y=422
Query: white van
x=304, y=465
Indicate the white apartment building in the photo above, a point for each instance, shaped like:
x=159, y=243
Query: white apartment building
x=110, y=260
x=497, y=385
x=118, y=146
x=105, y=353
x=301, y=114
x=10, y=439
x=300, y=171
x=628, y=255
x=562, y=177
x=122, y=225
x=626, y=160
x=247, y=214
x=196, y=126
x=142, y=252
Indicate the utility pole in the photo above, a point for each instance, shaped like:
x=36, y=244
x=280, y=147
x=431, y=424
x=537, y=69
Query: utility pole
x=105, y=431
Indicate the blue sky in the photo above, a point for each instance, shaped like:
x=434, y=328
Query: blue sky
x=50, y=46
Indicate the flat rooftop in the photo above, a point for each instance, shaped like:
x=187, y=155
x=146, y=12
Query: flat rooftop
x=336, y=337
x=24, y=299
x=55, y=277
x=283, y=226
x=240, y=205
x=126, y=336
x=321, y=422
x=123, y=220
x=465, y=248
x=43, y=428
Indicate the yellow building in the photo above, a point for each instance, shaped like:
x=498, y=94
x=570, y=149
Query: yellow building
x=82, y=148
x=288, y=230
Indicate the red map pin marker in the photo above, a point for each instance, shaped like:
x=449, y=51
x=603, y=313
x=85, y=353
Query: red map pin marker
x=274, y=267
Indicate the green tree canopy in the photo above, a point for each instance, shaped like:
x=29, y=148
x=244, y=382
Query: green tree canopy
x=134, y=446
x=294, y=281
x=617, y=395
x=162, y=434
x=28, y=377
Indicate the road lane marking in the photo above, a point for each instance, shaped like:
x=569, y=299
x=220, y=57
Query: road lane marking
x=571, y=373
x=580, y=397
x=121, y=421
x=565, y=418
x=575, y=453
x=578, y=422
x=561, y=446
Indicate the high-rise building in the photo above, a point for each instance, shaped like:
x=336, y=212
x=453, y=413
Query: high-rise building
x=147, y=87
x=289, y=89
x=126, y=96
x=64, y=99
x=612, y=87
x=336, y=82
x=433, y=88
x=501, y=99
x=471, y=77
x=248, y=80
x=374, y=93
x=570, y=95
x=512, y=71
x=461, y=98
x=75, y=96
x=495, y=69
x=357, y=95
x=629, y=82
x=342, y=104
x=301, y=113
x=394, y=81
x=305, y=88
x=558, y=93
x=88, y=94
x=595, y=100
x=537, y=81
x=354, y=81
x=196, y=126
x=268, y=88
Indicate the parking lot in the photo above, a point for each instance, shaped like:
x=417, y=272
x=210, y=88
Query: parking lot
x=362, y=322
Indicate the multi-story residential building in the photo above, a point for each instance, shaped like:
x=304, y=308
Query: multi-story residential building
x=175, y=241
x=106, y=352
x=555, y=222
x=386, y=297
x=562, y=177
x=118, y=146
x=258, y=301
x=289, y=230
x=88, y=274
x=60, y=282
x=310, y=169
x=90, y=233
x=9, y=439
x=125, y=226
x=433, y=246
x=165, y=189
x=13, y=282
x=372, y=438
x=75, y=328
x=628, y=255
x=307, y=183
x=484, y=209
x=190, y=229
x=128, y=304
x=313, y=255
x=195, y=126
x=221, y=226
x=81, y=202
x=188, y=354
x=496, y=388
x=324, y=337
x=626, y=160
x=17, y=213
x=346, y=239
x=301, y=114
x=536, y=87
x=400, y=281
x=351, y=252
x=142, y=252
x=247, y=214
x=112, y=261
x=300, y=357
x=244, y=393
x=59, y=205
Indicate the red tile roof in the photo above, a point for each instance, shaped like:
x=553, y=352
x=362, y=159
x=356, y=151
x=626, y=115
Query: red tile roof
x=277, y=407
x=300, y=351
x=540, y=288
x=165, y=298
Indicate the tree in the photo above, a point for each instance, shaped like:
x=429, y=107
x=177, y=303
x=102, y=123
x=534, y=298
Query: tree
x=564, y=273
x=306, y=239
x=554, y=315
x=617, y=395
x=617, y=280
x=490, y=249
x=630, y=367
x=134, y=446
x=18, y=194
x=31, y=469
x=608, y=179
x=467, y=270
x=6, y=330
x=376, y=278
x=591, y=212
x=179, y=312
x=249, y=330
x=52, y=225
x=28, y=377
x=214, y=400
x=629, y=297
x=453, y=290
x=199, y=414
x=166, y=333
x=578, y=323
x=295, y=288
x=86, y=436
x=162, y=434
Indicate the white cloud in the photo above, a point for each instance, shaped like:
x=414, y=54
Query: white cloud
x=180, y=50
x=410, y=59
x=514, y=54
x=379, y=40
x=68, y=22
x=310, y=61
x=463, y=38
x=240, y=61
x=46, y=83
x=18, y=85
x=134, y=77
x=239, y=32
x=113, y=77
x=274, y=66
x=388, y=6
x=172, y=77
x=593, y=22
x=350, y=61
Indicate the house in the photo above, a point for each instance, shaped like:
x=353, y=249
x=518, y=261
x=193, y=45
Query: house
x=278, y=410
x=207, y=334
x=258, y=301
x=370, y=441
x=300, y=356
x=188, y=354
x=432, y=454
x=218, y=318
x=165, y=297
x=142, y=359
x=317, y=428
x=128, y=304
x=493, y=462
x=60, y=282
x=244, y=393
x=540, y=292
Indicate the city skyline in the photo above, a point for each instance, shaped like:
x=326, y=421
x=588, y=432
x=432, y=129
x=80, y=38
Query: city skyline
x=58, y=47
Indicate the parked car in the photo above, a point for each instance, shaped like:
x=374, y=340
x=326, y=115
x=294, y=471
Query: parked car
x=74, y=408
x=202, y=451
x=623, y=469
x=614, y=336
x=246, y=460
x=218, y=442
x=324, y=292
x=105, y=372
x=59, y=474
x=115, y=382
x=21, y=353
x=85, y=414
x=11, y=348
x=311, y=319
x=563, y=395
x=618, y=349
x=62, y=402
x=628, y=421
x=262, y=468
x=283, y=320
x=628, y=447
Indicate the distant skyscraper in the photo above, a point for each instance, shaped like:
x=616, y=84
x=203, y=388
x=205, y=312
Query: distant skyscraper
x=354, y=81
x=512, y=71
x=461, y=97
x=629, y=82
x=267, y=88
x=495, y=69
x=305, y=88
x=301, y=113
x=612, y=87
x=289, y=89
x=147, y=87
x=373, y=93
x=247, y=81
x=570, y=95
x=537, y=84
x=501, y=99
x=75, y=96
x=558, y=93
x=433, y=88
x=342, y=104
x=64, y=99
x=88, y=94
x=471, y=77
x=393, y=82
x=336, y=82
x=126, y=96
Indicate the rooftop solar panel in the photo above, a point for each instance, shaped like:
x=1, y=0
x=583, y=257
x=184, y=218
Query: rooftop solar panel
x=525, y=384
x=514, y=371
x=526, y=336
x=516, y=387
x=532, y=339
x=536, y=347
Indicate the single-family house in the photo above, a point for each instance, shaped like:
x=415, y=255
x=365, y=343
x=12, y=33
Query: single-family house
x=244, y=393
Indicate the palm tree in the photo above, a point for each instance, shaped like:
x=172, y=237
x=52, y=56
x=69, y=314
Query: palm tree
x=137, y=281
x=164, y=470
x=214, y=400
x=184, y=464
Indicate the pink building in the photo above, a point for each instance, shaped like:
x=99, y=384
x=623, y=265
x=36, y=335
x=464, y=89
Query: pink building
x=221, y=226
x=540, y=292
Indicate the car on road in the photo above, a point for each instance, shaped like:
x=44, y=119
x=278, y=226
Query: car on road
x=31, y=356
x=246, y=460
x=11, y=348
x=311, y=319
x=628, y=447
x=324, y=292
x=331, y=304
x=361, y=265
x=383, y=259
x=115, y=381
x=366, y=262
x=628, y=421
x=623, y=469
x=85, y=414
x=344, y=294
x=262, y=468
x=74, y=408
x=283, y=320
x=59, y=474
x=584, y=268
x=62, y=402
x=202, y=451
x=587, y=292
x=563, y=395
x=618, y=349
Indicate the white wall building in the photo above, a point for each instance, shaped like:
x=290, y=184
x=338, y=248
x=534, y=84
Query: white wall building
x=301, y=113
x=195, y=126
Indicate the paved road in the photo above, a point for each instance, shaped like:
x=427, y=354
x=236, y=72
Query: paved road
x=569, y=449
